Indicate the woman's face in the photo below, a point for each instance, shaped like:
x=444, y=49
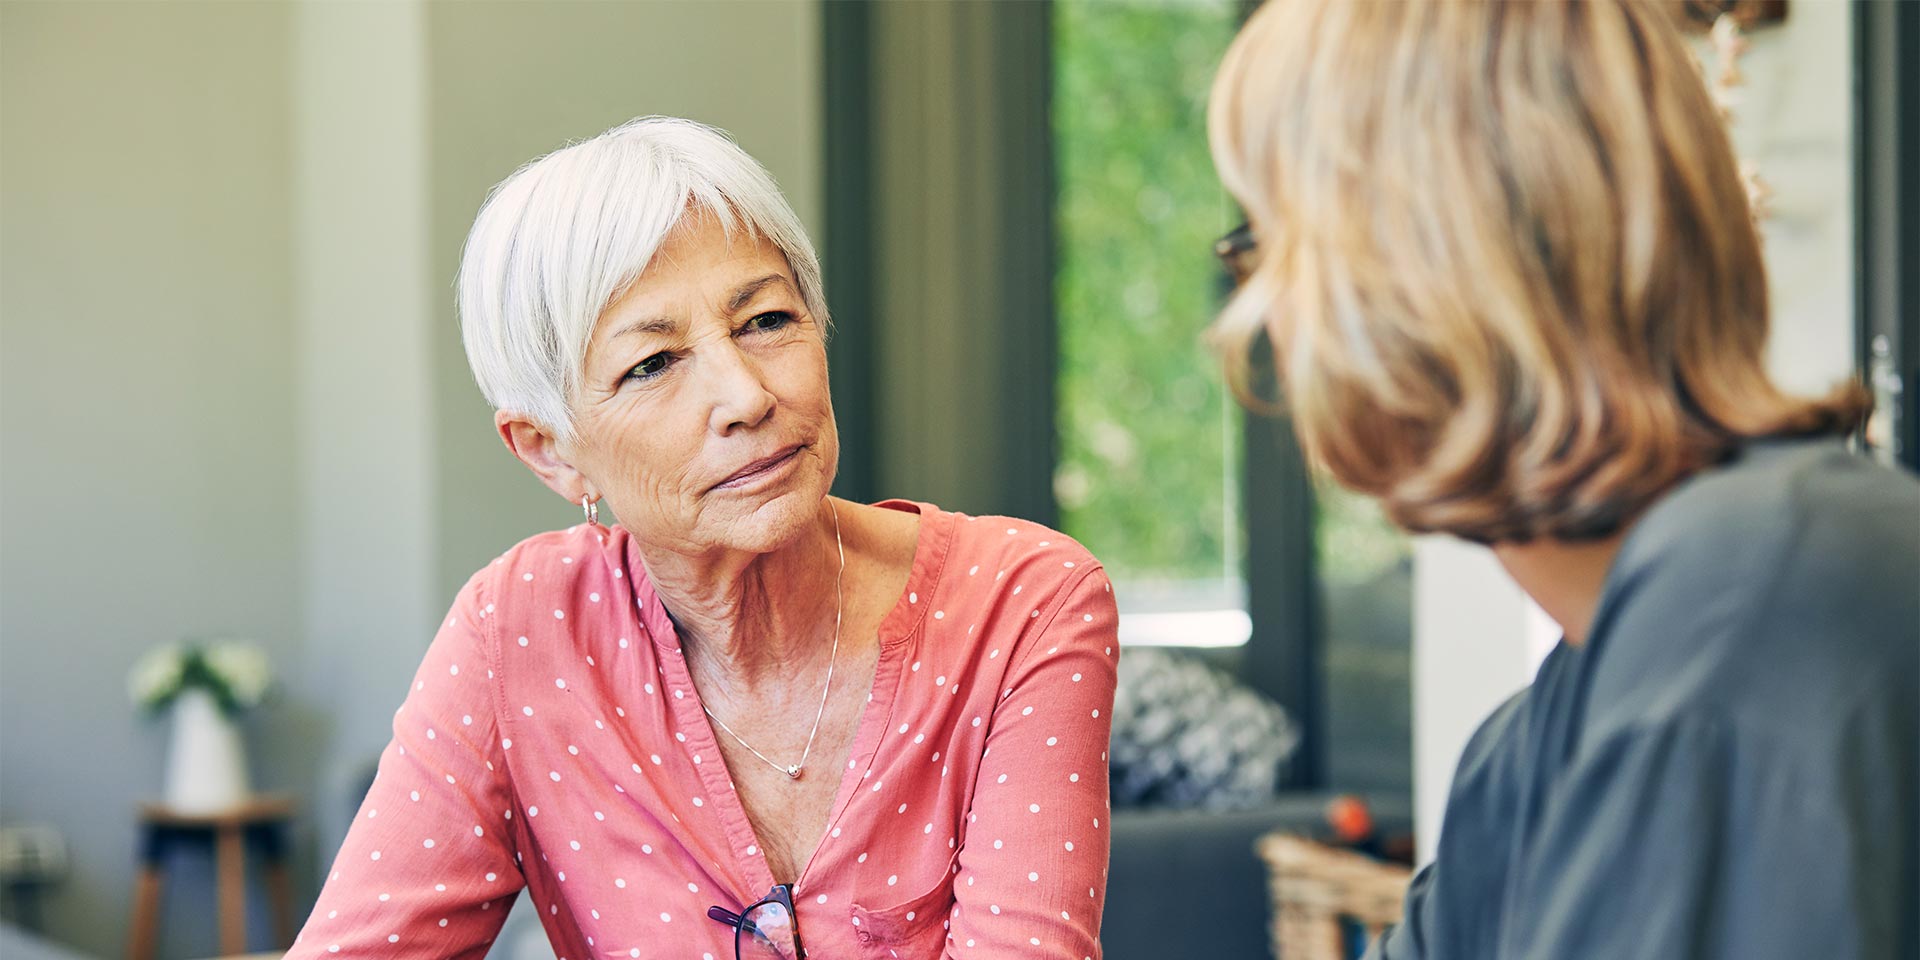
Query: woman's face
x=703, y=417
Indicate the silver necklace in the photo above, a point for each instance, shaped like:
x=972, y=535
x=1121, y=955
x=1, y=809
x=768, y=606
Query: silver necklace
x=840, y=599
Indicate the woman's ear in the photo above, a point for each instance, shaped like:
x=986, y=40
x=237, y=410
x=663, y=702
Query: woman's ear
x=536, y=447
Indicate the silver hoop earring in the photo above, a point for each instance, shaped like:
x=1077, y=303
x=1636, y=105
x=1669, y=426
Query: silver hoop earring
x=591, y=508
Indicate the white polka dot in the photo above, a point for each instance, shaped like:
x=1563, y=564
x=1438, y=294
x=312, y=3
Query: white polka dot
x=620, y=882
x=1003, y=779
x=903, y=809
x=597, y=815
x=575, y=844
x=526, y=576
x=893, y=880
x=596, y=597
x=1073, y=778
x=562, y=684
x=913, y=597
x=559, y=614
x=820, y=899
x=1069, y=846
x=376, y=855
x=973, y=570
x=428, y=843
x=479, y=832
x=491, y=877
x=994, y=908
x=527, y=710
x=997, y=843
x=573, y=749
x=666, y=918
x=699, y=802
x=1028, y=712
x=506, y=744
x=1033, y=808
x=939, y=614
x=454, y=669
x=1052, y=740
x=554, y=775
x=393, y=938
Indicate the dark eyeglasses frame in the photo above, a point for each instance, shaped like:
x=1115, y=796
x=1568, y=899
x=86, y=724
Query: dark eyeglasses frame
x=782, y=894
x=1239, y=253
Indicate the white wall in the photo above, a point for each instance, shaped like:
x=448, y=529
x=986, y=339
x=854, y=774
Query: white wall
x=147, y=420
x=1475, y=640
x=232, y=396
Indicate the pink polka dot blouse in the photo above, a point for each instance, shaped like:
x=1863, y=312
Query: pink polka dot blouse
x=553, y=741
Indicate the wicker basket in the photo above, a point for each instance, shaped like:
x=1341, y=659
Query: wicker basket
x=1319, y=892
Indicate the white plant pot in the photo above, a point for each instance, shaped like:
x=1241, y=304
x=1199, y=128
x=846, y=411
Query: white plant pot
x=206, y=763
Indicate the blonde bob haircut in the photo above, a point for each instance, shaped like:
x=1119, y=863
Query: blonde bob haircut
x=1505, y=259
x=564, y=235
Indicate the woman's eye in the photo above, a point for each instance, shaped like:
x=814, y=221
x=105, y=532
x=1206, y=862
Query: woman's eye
x=651, y=366
x=770, y=321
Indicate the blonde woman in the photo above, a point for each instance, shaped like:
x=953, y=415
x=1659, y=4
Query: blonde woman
x=1503, y=260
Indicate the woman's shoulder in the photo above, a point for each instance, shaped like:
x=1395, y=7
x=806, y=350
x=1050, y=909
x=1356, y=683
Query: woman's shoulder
x=1010, y=546
x=553, y=570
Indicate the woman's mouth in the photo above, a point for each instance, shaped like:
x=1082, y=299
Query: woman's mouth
x=762, y=470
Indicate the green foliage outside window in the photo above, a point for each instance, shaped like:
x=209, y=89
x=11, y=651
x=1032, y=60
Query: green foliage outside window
x=1149, y=443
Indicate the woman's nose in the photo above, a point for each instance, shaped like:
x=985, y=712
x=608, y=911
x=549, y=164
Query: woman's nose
x=739, y=395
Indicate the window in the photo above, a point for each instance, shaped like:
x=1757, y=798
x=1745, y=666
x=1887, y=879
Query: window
x=1152, y=453
x=1149, y=458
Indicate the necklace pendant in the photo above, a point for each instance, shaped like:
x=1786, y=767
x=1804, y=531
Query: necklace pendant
x=793, y=772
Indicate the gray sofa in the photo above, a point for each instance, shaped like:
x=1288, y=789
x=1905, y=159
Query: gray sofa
x=1187, y=883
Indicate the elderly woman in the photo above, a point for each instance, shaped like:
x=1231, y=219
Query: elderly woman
x=750, y=716
x=1503, y=259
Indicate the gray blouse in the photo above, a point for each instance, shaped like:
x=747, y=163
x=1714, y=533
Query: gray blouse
x=1729, y=767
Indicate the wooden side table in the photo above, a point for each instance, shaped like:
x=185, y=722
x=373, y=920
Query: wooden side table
x=260, y=823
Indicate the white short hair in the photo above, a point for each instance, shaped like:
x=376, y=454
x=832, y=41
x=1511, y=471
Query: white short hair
x=563, y=237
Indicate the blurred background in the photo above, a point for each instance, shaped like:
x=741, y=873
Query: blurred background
x=233, y=401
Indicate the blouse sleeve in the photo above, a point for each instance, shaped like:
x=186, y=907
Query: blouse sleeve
x=428, y=867
x=1033, y=870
